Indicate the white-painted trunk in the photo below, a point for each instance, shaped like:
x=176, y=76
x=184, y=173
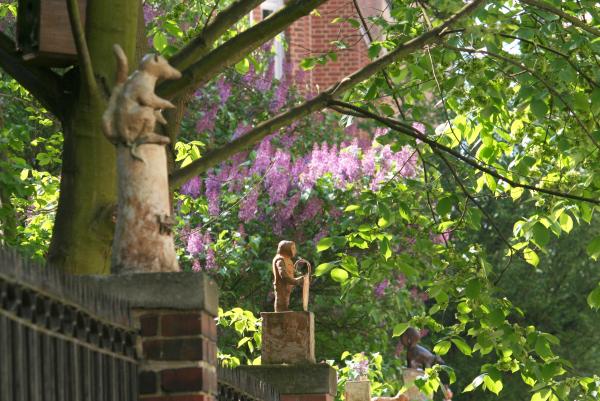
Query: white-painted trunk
x=143, y=241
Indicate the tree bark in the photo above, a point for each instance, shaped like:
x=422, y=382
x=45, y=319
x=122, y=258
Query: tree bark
x=83, y=228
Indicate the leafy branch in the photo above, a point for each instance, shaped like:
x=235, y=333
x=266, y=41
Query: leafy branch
x=403, y=128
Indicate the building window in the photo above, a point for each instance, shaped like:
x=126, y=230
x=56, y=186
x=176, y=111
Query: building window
x=267, y=8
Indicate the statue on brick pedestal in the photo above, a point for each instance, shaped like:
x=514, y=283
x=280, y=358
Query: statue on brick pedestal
x=284, y=272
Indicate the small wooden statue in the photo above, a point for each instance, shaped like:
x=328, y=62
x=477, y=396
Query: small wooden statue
x=284, y=280
x=417, y=357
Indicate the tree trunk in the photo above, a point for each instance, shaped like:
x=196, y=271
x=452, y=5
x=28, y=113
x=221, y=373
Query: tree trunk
x=83, y=228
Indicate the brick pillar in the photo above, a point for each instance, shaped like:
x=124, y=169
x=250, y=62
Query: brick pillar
x=308, y=382
x=175, y=314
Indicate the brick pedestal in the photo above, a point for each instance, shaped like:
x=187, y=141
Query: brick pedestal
x=311, y=382
x=288, y=337
x=175, y=313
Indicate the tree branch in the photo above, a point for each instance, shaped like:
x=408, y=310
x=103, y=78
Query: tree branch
x=42, y=83
x=238, y=47
x=573, y=20
x=83, y=54
x=408, y=130
x=386, y=76
x=319, y=102
x=202, y=43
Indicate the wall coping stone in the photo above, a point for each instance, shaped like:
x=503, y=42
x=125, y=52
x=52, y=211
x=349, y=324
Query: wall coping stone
x=179, y=291
x=318, y=378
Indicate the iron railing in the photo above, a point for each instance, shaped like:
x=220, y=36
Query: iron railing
x=236, y=385
x=60, y=340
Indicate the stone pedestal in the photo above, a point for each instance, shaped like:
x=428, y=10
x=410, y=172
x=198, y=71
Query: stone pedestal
x=412, y=391
x=357, y=390
x=315, y=382
x=288, y=337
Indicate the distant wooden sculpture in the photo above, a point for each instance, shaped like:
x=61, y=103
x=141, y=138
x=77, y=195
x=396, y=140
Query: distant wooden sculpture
x=143, y=240
x=284, y=280
x=417, y=357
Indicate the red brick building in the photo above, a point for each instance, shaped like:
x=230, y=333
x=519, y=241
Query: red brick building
x=313, y=36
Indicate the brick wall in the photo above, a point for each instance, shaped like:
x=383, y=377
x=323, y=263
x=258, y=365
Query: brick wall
x=312, y=36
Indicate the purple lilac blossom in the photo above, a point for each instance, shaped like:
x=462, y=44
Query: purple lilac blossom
x=264, y=153
x=212, y=186
x=419, y=127
x=196, y=266
x=249, y=206
x=368, y=162
x=208, y=120
x=286, y=212
x=224, y=88
x=312, y=208
x=380, y=288
x=349, y=163
x=280, y=97
x=321, y=234
x=249, y=76
x=149, y=13
x=400, y=280
x=263, y=83
x=194, y=242
x=192, y=187
x=211, y=263
x=442, y=238
x=277, y=180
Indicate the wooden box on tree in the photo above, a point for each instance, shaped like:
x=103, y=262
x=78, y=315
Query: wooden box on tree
x=44, y=33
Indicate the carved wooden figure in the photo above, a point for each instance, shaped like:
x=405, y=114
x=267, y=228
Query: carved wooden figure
x=284, y=280
x=417, y=357
x=143, y=240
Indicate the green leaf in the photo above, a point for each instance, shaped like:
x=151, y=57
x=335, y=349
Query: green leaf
x=539, y=108
x=566, y=222
x=593, y=299
x=351, y=208
x=531, y=257
x=339, y=275
x=159, y=41
x=475, y=383
x=542, y=347
x=324, y=244
x=399, y=329
x=541, y=235
x=495, y=386
x=442, y=347
x=444, y=206
x=462, y=346
x=243, y=66
x=593, y=248
x=323, y=268
x=541, y=395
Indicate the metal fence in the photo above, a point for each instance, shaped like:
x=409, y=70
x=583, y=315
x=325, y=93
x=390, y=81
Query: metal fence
x=236, y=385
x=60, y=340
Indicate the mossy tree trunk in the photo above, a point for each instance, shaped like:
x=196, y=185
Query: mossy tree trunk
x=84, y=224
